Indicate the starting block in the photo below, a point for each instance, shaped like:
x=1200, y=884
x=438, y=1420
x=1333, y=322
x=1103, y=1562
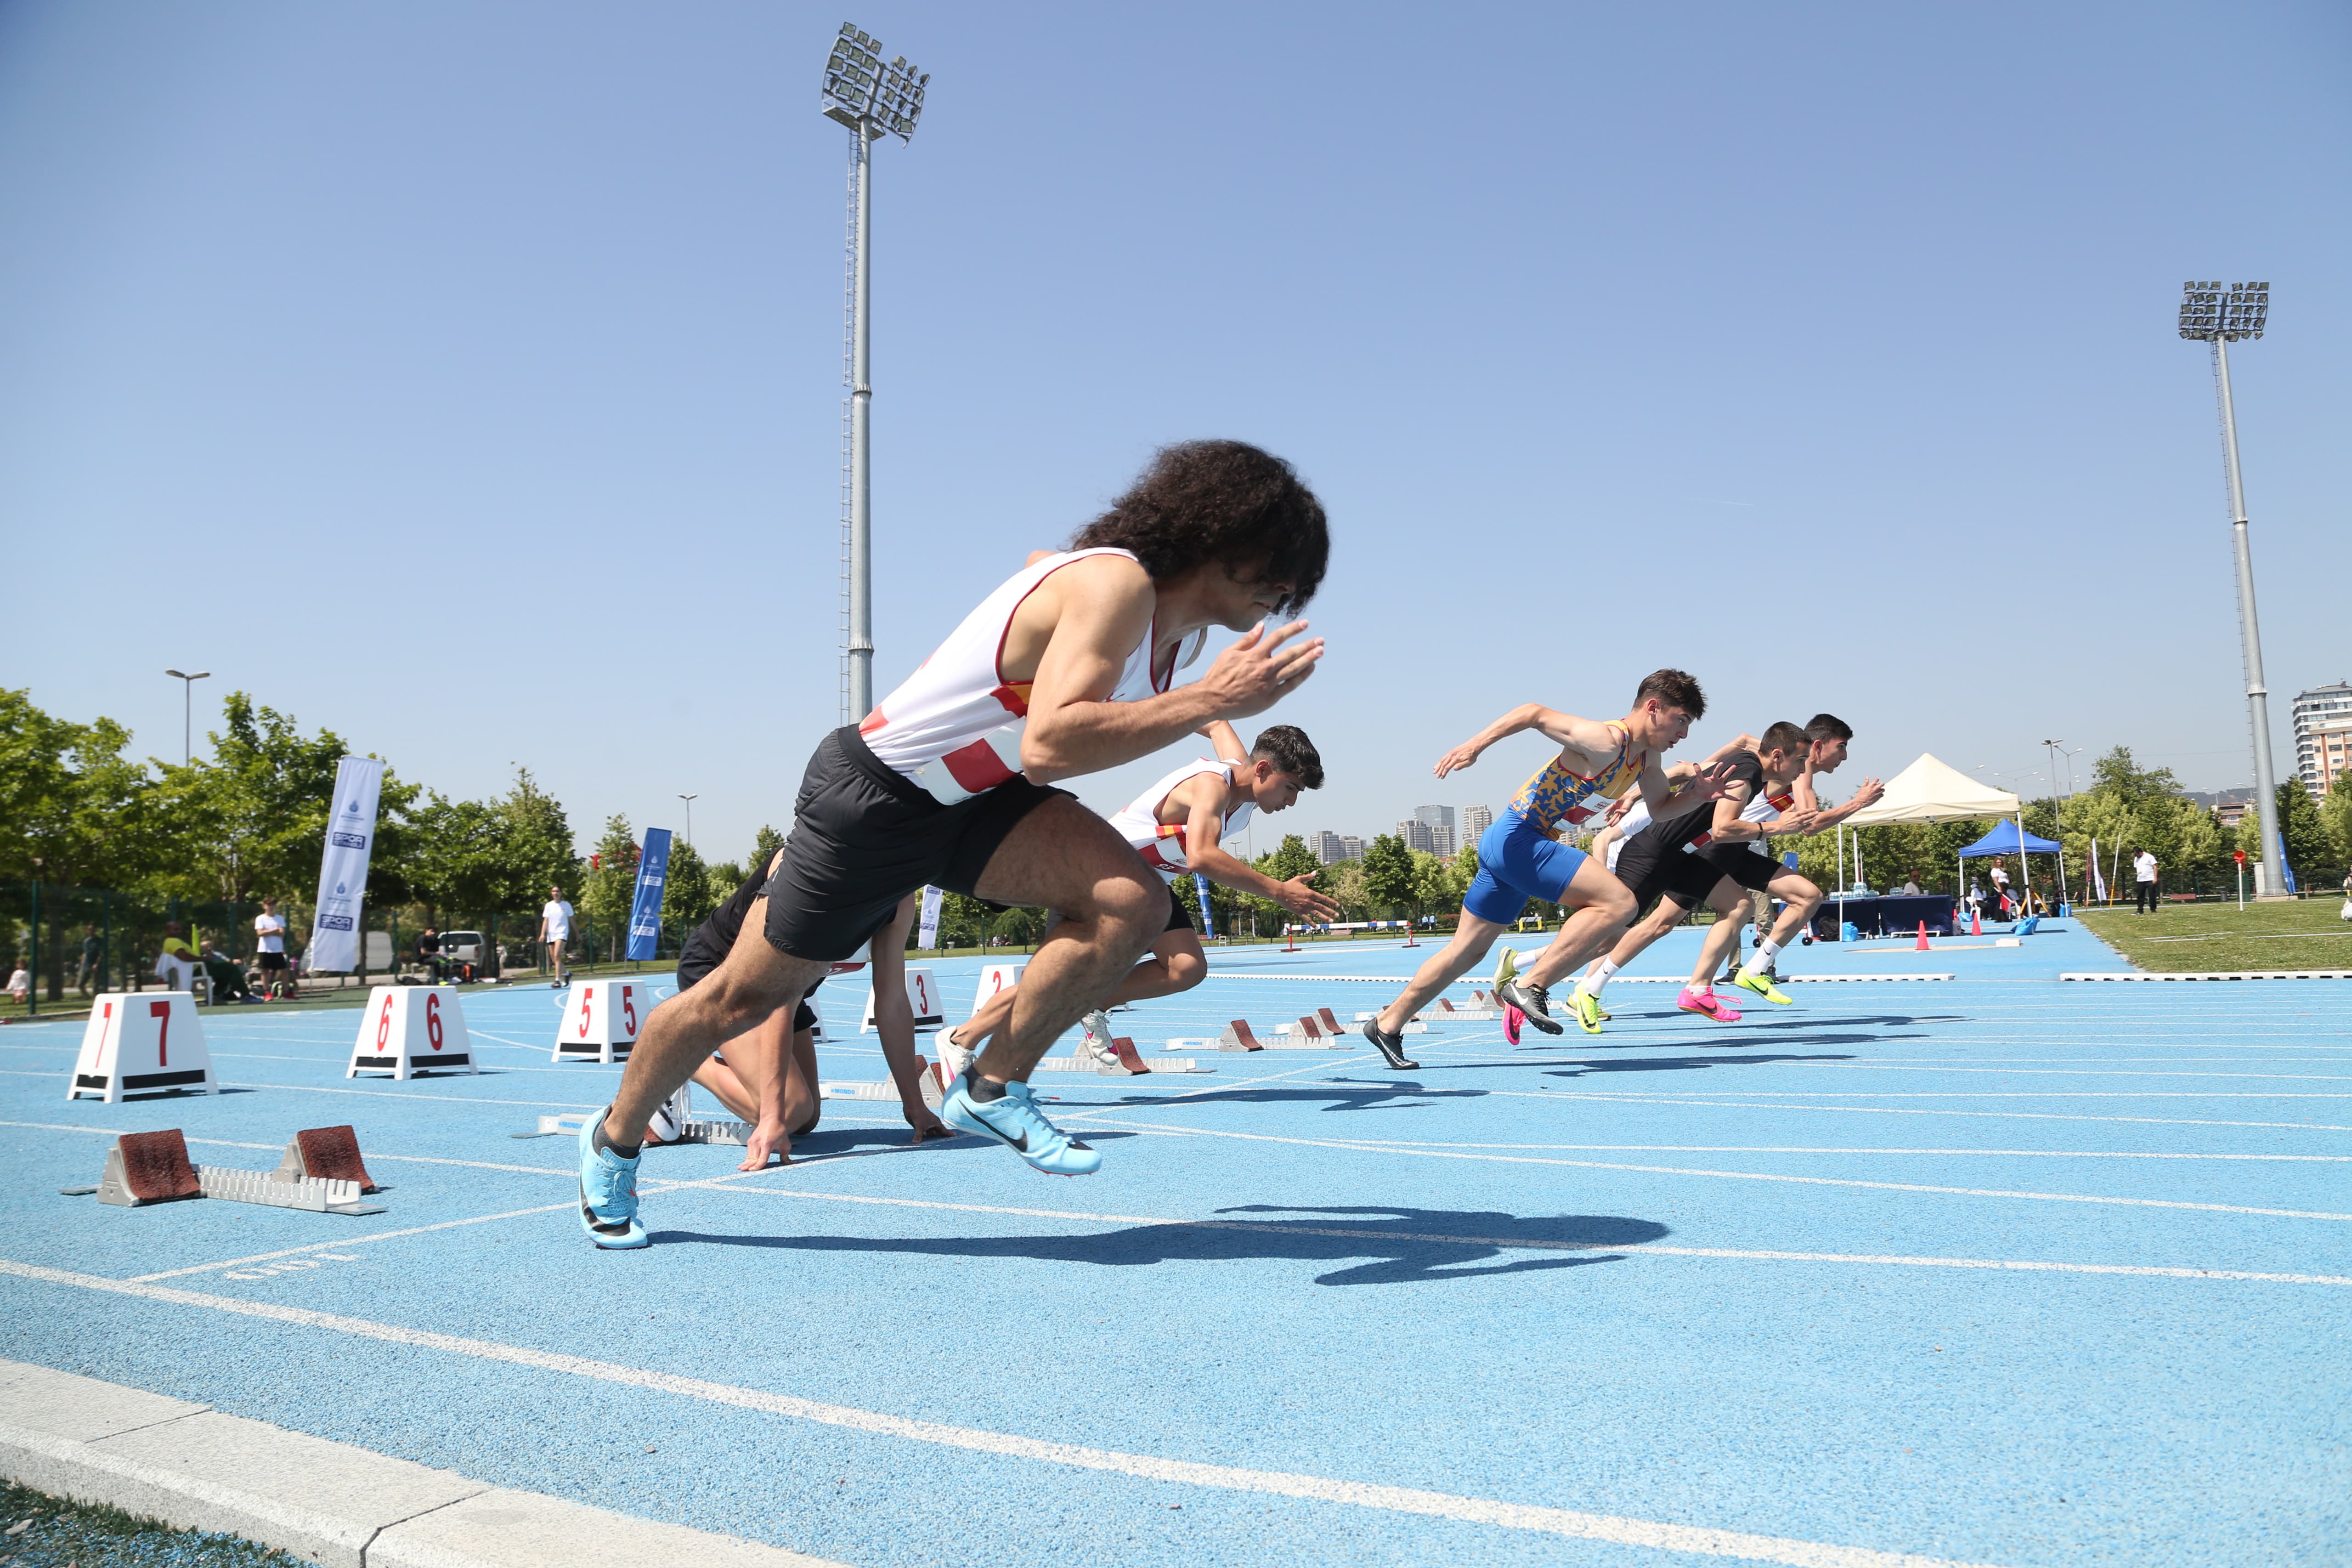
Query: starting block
x=129, y=1044
x=410, y=1029
x=600, y=1021
x=1238, y=1037
x=327, y=1155
x=146, y=1168
x=922, y=995
x=1447, y=1013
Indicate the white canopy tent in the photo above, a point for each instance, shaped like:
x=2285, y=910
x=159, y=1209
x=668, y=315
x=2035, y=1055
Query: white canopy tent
x=1930, y=790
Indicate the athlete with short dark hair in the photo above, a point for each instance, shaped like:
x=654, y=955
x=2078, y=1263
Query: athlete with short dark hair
x=1066, y=668
x=1524, y=855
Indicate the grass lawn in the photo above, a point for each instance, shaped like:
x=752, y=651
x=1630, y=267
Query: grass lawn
x=38, y=1530
x=2299, y=933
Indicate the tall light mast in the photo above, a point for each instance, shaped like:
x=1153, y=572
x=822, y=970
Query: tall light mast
x=2209, y=313
x=874, y=101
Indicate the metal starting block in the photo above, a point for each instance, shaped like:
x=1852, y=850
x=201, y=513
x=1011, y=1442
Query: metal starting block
x=144, y=1168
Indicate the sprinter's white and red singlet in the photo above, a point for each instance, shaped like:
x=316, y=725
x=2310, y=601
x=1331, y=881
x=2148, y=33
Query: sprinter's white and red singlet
x=1162, y=844
x=954, y=726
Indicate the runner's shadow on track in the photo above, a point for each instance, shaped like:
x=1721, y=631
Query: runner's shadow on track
x=1673, y=1064
x=1403, y=1245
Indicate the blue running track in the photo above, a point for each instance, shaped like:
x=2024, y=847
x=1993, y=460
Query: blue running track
x=1992, y=1270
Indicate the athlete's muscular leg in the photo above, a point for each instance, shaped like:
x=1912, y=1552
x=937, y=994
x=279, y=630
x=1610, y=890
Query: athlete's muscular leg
x=1729, y=901
x=1062, y=856
x=1800, y=898
x=1472, y=938
x=1657, y=924
x=1603, y=908
x=1177, y=963
x=753, y=983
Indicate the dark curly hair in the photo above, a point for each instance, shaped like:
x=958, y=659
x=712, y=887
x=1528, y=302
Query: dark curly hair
x=1288, y=749
x=1225, y=502
x=1673, y=688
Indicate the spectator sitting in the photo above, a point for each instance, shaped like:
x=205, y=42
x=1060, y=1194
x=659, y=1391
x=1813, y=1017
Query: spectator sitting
x=228, y=979
x=1910, y=889
x=177, y=961
x=20, y=985
x=429, y=954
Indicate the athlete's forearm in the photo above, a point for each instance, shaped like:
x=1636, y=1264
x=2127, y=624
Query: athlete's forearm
x=1088, y=737
x=1678, y=802
x=1230, y=871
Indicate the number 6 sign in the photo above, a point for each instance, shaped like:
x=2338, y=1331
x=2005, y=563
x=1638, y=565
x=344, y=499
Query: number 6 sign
x=411, y=1029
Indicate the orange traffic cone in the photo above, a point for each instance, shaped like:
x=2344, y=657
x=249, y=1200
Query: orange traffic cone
x=1923, y=938
x=1976, y=926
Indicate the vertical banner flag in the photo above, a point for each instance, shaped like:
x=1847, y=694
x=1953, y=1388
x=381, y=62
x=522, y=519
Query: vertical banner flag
x=1208, y=925
x=645, y=909
x=929, y=934
x=2286, y=872
x=2098, y=883
x=343, y=868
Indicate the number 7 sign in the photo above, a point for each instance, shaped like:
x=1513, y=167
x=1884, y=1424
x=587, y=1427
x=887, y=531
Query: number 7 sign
x=136, y=1045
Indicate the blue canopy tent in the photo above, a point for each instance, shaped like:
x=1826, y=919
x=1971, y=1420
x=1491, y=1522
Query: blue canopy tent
x=2009, y=837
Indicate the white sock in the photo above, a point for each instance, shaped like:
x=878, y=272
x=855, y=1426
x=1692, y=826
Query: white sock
x=1591, y=984
x=1766, y=951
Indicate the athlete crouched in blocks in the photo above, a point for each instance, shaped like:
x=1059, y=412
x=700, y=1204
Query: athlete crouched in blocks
x=1522, y=856
x=1066, y=668
x=1180, y=825
x=767, y=1076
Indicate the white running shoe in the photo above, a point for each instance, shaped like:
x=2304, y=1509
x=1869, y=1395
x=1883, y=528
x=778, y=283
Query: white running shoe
x=954, y=1057
x=668, y=1123
x=1094, y=1044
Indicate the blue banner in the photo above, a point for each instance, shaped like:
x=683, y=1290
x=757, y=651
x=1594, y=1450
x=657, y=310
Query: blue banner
x=2286, y=872
x=1208, y=926
x=645, y=914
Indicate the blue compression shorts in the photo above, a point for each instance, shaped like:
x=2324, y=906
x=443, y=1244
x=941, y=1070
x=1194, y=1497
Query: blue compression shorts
x=1517, y=861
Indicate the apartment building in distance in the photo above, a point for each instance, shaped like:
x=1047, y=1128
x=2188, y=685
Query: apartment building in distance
x=1476, y=820
x=1330, y=848
x=1440, y=822
x=2323, y=736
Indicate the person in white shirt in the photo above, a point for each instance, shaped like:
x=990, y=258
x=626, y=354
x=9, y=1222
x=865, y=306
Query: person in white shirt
x=1910, y=887
x=20, y=985
x=2144, y=869
x=554, y=930
x=2000, y=887
x=269, y=939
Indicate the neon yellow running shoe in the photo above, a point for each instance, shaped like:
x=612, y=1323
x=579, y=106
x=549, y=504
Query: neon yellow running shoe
x=1506, y=967
x=1586, y=1007
x=1748, y=980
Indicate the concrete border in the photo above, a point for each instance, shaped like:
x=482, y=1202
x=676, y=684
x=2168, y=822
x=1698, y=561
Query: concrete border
x=338, y=1505
x=2149, y=975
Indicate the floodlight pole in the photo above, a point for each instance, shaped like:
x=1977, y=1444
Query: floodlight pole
x=861, y=414
x=2270, y=883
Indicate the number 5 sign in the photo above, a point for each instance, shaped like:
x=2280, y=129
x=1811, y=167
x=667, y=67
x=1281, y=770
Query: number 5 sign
x=600, y=1020
x=410, y=1029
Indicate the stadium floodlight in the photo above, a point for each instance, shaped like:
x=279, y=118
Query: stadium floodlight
x=187, y=685
x=874, y=100
x=2210, y=313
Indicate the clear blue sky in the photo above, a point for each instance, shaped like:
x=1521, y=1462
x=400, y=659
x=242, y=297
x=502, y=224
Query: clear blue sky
x=465, y=377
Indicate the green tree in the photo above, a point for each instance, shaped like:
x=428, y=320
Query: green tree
x=1433, y=881
x=1290, y=859
x=69, y=799
x=609, y=890
x=688, y=894
x=1388, y=873
x=765, y=843
x=534, y=845
x=1344, y=883
x=2336, y=817
x=2300, y=823
x=252, y=818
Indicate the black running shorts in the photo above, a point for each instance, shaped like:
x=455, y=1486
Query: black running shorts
x=273, y=960
x=1179, y=917
x=1687, y=880
x=865, y=836
x=1750, y=870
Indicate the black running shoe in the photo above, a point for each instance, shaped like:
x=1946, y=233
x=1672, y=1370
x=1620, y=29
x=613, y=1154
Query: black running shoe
x=1390, y=1046
x=1531, y=999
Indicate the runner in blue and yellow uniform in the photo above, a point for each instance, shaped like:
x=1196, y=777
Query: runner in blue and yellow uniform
x=1524, y=855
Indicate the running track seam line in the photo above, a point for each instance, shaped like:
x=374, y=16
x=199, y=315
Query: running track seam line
x=1655, y=1534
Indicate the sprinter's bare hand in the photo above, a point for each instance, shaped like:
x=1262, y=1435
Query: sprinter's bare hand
x=1257, y=672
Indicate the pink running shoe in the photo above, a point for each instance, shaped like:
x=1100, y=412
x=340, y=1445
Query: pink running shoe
x=1512, y=1020
x=1707, y=1004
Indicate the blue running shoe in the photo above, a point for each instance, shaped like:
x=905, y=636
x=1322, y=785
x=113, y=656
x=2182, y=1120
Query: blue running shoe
x=1017, y=1123
x=608, y=1193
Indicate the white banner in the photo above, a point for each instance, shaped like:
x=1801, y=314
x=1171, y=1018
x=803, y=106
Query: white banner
x=2098, y=883
x=929, y=934
x=343, y=868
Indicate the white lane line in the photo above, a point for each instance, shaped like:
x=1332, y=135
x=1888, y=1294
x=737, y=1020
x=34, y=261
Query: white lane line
x=1912, y=1110
x=347, y=1242
x=1811, y=1149
x=1974, y=1093
x=1737, y=1176
x=2052, y=1072
x=1628, y=1250
x=1393, y=1499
